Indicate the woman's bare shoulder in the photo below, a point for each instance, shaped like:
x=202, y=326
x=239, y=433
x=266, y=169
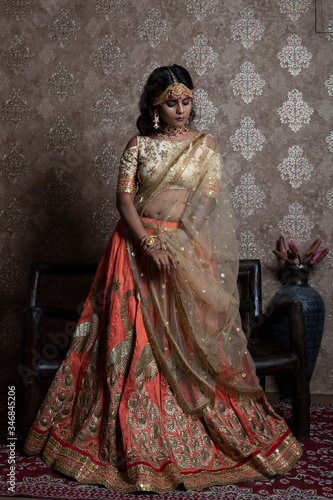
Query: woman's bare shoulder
x=132, y=143
x=209, y=139
x=211, y=142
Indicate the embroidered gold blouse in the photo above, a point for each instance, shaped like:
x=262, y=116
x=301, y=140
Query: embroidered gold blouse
x=139, y=166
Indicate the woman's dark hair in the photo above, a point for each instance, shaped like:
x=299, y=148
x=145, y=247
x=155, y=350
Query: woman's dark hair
x=159, y=80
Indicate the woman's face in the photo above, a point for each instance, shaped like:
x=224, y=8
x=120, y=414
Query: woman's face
x=175, y=112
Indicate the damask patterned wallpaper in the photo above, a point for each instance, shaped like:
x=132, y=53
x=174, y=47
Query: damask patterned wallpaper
x=70, y=79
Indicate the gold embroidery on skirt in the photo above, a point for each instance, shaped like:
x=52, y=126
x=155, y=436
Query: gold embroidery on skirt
x=85, y=334
x=57, y=403
x=143, y=477
x=87, y=402
x=116, y=286
x=119, y=360
x=83, y=329
x=100, y=299
x=146, y=367
x=123, y=313
x=182, y=437
x=120, y=356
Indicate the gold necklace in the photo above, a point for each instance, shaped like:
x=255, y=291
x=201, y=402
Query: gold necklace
x=167, y=131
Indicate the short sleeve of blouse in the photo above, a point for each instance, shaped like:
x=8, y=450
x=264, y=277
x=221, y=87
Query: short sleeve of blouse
x=212, y=184
x=127, y=171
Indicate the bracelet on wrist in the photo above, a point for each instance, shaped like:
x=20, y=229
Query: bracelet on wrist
x=142, y=240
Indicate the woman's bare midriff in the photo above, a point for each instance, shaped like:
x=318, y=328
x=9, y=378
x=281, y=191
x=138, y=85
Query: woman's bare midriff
x=168, y=205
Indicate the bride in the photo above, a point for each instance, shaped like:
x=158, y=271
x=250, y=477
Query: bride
x=158, y=388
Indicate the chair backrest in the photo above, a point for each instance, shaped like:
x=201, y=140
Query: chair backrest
x=249, y=286
x=38, y=269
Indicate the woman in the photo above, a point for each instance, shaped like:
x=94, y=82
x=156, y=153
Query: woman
x=158, y=388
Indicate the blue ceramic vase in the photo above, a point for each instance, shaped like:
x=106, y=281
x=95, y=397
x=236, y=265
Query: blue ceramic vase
x=296, y=286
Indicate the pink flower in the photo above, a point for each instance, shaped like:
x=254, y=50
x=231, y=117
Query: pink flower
x=292, y=255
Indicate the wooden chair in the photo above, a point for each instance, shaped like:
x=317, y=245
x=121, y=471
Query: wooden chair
x=270, y=359
x=41, y=361
x=41, y=357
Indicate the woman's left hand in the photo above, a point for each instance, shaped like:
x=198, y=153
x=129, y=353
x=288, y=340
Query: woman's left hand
x=163, y=260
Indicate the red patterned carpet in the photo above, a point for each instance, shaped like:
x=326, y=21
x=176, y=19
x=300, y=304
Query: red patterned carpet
x=310, y=479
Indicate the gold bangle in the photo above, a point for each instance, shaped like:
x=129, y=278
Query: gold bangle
x=150, y=240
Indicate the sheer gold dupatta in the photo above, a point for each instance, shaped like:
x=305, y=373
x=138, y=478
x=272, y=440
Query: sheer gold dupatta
x=191, y=317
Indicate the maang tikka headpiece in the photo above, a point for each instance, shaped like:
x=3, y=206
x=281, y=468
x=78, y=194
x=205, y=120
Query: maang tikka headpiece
x=174, y=91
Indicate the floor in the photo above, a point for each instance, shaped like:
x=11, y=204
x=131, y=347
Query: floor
x=315, y=398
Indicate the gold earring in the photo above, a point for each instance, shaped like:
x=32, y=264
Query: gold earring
x=156, y=120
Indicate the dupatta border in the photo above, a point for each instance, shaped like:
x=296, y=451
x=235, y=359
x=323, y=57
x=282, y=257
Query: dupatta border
x=232, y=390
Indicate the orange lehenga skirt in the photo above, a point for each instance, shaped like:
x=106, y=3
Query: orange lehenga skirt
x=111, y=418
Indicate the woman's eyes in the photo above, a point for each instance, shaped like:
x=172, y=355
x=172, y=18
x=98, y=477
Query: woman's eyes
x=172, y=104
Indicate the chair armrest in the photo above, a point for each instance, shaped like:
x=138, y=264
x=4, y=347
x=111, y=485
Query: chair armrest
x=293, y=309
x=279, y=309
